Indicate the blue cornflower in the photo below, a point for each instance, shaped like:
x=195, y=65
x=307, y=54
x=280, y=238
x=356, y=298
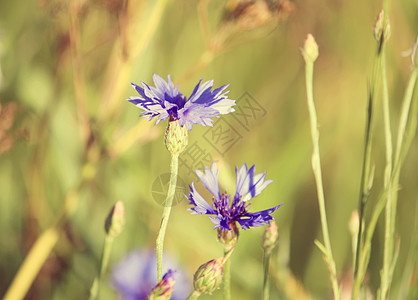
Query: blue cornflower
x=226, y=211
x=135, y=276
x=166, y=101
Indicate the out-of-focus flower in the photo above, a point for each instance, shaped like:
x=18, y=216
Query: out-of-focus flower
x=224, y=213
x=136, y=275
x=166, y=101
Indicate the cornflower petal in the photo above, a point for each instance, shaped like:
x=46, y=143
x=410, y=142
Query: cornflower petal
x=248, y=184
x=258, y=218
x=201, y=206
x=210, y=180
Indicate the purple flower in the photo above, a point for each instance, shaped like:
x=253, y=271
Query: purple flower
x=225, y=211
x=165, y=101
x=136, y=275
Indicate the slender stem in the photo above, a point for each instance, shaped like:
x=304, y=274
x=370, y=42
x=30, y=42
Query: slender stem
x=32, y=264
x=401, y=148
x=316, y=166
x=95, y=288
x=387, y=253
x=365, y=174
x=363, y=247
x=266, y=282
x=386, y=119
x=166, y=214
x=227, y=277
x=194, y=295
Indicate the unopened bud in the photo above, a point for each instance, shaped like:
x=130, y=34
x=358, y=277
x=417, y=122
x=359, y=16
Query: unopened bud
x=228, y=238
x=271, y=237
x=164, y=289
x=208, y=277
x=115, y=220
x=353, y=224
x=176, y=138
x=353, y=227
x=310, y=50
x=380, y=28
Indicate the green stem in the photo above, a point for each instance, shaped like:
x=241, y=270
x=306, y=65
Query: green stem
x=316, y=166
x=266, y=282
x=363, y=247
x=95, y=288
x=227, y=277
x=388, y=241
x=194, y=295
x=401, y=148
x=166, y=214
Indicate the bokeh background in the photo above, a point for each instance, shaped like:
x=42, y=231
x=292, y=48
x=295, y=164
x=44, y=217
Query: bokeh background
x=70, y=145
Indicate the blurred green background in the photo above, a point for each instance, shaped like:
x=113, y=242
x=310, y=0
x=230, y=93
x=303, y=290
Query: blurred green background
x=66, y=132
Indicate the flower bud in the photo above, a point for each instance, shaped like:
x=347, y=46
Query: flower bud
x=310, y=50
x=380, y=28
x=208, y=277
x=115, y=221
x=176, y=138
x=164, y=289
x=270, y=237
x=353, y=227
x=228, y=238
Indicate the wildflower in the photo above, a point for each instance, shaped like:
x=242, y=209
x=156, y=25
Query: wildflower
x=164, y=289
x=166, y=101
x=224, y=213
x=135, y=276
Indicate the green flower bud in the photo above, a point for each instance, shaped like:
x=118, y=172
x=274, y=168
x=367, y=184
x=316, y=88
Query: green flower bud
x=208, y=277
x=164, y=289
x=380, y=28
x=176, y=137
x=310, y=50
x=271, y=237
x=228, y=238
x=115, y=221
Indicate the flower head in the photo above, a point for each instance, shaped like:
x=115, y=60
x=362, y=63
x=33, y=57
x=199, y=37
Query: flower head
x=226, y=210
x=166, y=101
x=136, y=275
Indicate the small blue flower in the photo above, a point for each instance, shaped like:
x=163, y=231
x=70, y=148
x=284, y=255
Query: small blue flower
x=136, y=275
x=165, y=101
x=224, y=212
